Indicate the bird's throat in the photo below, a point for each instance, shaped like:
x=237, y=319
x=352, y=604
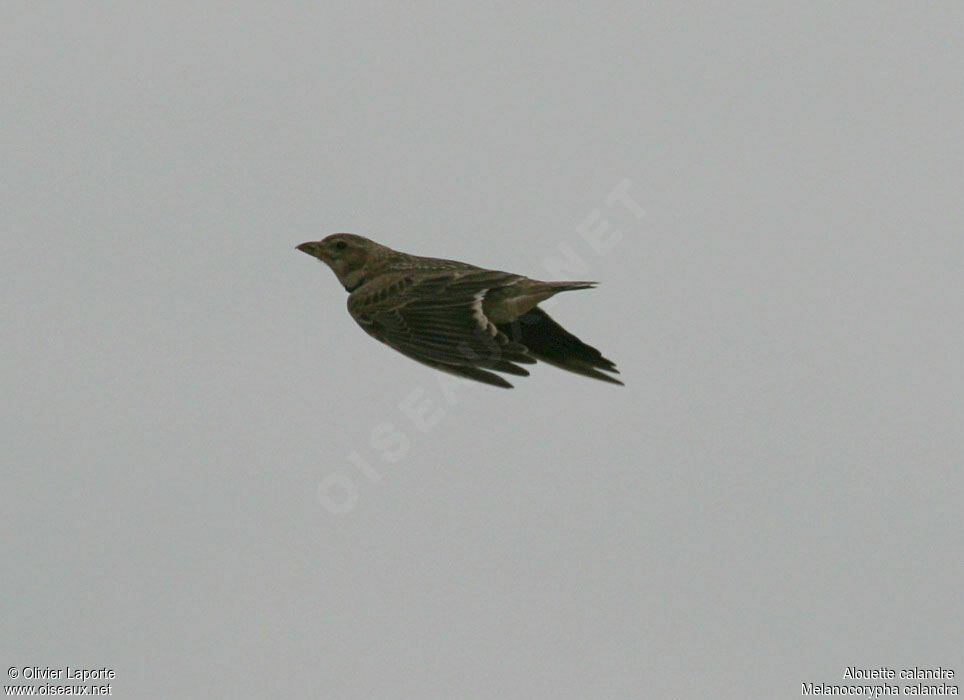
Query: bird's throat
x=353, y=280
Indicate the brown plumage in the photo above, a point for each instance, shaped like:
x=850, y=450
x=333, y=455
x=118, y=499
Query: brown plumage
x=453, y=316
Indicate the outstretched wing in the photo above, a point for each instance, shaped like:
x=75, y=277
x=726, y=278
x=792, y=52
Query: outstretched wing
x=546, y=340
x=437, y=319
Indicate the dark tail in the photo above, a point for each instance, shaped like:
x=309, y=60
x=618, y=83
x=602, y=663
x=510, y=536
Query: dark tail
x=550, y=342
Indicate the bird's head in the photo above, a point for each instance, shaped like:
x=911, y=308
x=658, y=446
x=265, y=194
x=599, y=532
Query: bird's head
x=345, y=253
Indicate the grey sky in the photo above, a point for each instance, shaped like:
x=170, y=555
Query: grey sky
x=775, y=495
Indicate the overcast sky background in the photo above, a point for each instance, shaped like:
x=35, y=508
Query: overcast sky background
x=775, y=494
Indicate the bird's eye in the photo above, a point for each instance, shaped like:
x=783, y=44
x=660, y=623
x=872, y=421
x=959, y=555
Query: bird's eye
x=340, y=245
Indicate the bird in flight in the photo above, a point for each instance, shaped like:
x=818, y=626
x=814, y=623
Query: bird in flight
x=453, y=316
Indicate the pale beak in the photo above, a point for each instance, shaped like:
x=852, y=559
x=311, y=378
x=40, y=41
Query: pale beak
x=312, y=248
